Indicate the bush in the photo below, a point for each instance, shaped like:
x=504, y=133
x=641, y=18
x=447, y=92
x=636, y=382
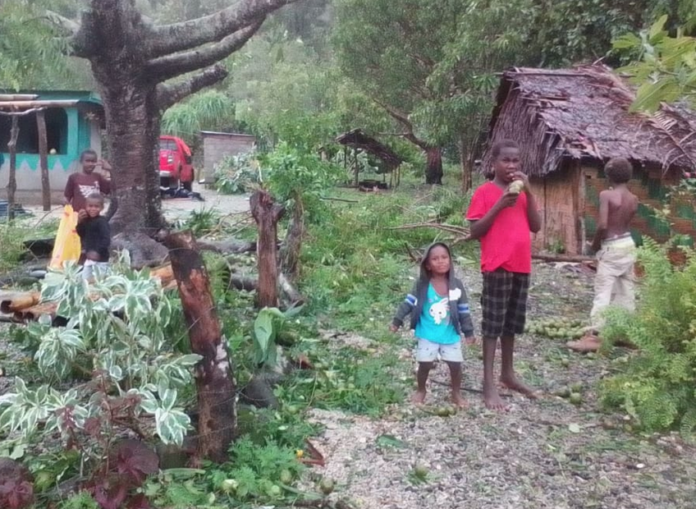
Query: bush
x=657, y=385
x=237, y=174
x=12, y=242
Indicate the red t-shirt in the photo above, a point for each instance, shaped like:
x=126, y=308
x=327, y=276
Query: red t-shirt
x=508, y=243
x=81, y=185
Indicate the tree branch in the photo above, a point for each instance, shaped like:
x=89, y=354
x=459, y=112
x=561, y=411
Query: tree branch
x=167, y=67
x=403, y=119
x=168, y=95
x=168, y=39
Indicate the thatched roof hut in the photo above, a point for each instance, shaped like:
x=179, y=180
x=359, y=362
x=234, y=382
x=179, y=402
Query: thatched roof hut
x=569, y=122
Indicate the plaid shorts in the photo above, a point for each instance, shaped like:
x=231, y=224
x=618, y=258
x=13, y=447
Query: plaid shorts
x=504, y=303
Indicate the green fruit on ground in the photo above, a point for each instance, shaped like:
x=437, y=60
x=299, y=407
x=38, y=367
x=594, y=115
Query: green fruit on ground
x=576, y=387
x=275, y=491
x=326, y=486
x=43, y=481
x=564, y=392
x=421, y=470
x=443, y=411
x=565, y=362
x=575, y=398
x=286, y=477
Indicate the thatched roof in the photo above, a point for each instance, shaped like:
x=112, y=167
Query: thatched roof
x=583, y=113
x=359, y=140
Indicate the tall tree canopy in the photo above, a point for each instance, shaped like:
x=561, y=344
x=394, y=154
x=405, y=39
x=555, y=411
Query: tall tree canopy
x=429, y=63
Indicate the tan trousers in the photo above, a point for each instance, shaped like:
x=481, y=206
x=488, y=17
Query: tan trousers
x=615, y=279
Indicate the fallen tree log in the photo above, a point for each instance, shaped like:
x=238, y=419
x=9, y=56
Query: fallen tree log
x=545, y=257
x=296, y=299
x=13, y=302
x=144, y=251
x=229, y=246
x=246, y=284
x=215, y=386
x=40, y=248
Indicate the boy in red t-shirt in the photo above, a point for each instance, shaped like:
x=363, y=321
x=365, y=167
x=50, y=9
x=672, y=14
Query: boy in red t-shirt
x=502, y=221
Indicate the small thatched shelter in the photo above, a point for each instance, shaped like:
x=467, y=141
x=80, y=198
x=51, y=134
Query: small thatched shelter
x=569, y=123
x=359, y=140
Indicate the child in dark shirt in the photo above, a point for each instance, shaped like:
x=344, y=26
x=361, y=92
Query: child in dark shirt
x=85, y=183
x=95, y=237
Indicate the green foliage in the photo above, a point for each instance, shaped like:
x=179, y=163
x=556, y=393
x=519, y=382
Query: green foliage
x=237, y=174
x=211, y=110
x=32, y=54
x=267, y=327
x=120, y=337
x=12, y=242
x=430, y=63
x=357, y=261
x=82, y=500
x=298, y=177
x=257, y=470
x=201, y=221
x=349, y=379
x=666, y=71
x=656, y=386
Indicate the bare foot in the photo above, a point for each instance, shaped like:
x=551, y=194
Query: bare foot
x=514, y=384
x=588, y=343
x=458, y=401
x=492, y=399
x=418, y=398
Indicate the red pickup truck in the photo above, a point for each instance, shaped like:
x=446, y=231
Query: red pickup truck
x=175, y=163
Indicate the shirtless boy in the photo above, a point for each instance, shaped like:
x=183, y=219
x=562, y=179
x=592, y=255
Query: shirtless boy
x=616, y=251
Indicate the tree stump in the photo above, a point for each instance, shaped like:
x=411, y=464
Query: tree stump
x=214, y=379
x=266, y=213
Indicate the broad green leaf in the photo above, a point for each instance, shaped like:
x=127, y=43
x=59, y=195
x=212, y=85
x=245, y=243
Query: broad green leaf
x=650, y=95
x=658, y=27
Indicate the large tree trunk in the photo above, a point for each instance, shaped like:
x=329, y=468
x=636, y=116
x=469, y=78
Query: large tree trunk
x=433, y=165
x=132, y=121
x=12, y=178
x=43, y=160
x=266, y=213
x=214, y=378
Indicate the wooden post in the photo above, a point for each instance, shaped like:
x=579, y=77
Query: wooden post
x=12, y=181
x=290, y=252
x=214, y=378
x=466, y=159
x=43, y=159
x=356, y=168
x=266, y=213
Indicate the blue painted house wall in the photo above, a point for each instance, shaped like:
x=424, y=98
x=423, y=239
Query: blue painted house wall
x=70, y=132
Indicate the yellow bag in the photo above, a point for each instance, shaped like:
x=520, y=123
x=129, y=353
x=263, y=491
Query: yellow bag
x=67, y=244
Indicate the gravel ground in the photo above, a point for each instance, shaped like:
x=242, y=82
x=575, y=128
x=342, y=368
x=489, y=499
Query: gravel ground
x=540, y=454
